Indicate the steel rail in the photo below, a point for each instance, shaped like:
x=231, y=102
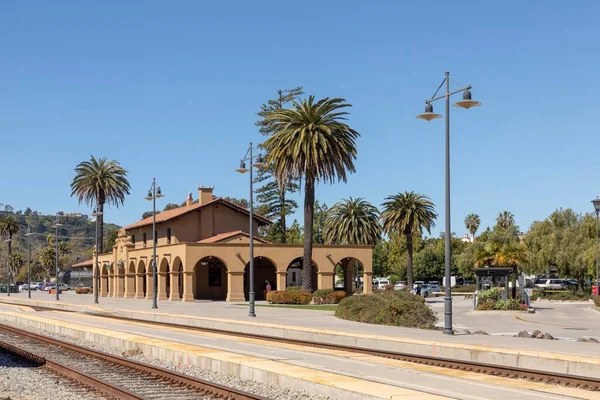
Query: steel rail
x=203, y=386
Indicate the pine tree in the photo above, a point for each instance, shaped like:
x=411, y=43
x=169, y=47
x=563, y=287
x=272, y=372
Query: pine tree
x=272, y=199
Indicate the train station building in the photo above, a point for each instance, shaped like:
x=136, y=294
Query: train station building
x=202, y=251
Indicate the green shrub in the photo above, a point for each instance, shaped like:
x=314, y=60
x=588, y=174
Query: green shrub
x=597, y=301
x=564, y=295
x=511, y=304
x=397, y=308
x=294, y=289
x=322, y=292
x=491, y=295
x=289, y=297
x=83, y=290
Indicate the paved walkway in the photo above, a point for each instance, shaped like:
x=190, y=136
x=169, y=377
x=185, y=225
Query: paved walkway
x=316, y=320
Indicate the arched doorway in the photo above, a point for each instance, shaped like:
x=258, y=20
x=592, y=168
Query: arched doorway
x=176, y=291
x=264, y=270
x=294, y=273
x=131, y=281
x=210, y=279
x=164, y=279
x=142, y=278
x=348, y=274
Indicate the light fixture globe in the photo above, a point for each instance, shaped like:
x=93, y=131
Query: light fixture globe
x=242, y=169
x=259, y=163
x=429, y=115
x=596, y=203
x=466, y=102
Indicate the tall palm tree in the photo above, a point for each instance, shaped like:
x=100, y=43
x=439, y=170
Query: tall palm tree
x=408, y=213
x=512, y=255
x=352, y=221
x=505, y=219
x=311, y=141
x=472, y=224
x=100, y=181
x=9, y=226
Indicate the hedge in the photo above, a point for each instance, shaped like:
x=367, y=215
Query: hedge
x=328, y=296
x=597, y=301
x=81, y=290
x=289, y=297
x=396, y=308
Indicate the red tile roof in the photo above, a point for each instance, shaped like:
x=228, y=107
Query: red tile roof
x=168, y=215
x=227, y=235
x=86, y=263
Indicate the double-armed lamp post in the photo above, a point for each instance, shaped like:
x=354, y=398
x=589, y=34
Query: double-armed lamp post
x=153, y=194
x=429, y=115
x=96, y=275
x=257, y=162
x=596, y=203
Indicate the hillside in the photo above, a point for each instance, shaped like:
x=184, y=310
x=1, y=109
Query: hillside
x=78, y=232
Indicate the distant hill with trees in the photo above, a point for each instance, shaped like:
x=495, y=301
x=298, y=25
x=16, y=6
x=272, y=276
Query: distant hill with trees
x=76, y=239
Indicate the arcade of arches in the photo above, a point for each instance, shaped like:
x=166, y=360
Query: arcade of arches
x=220, y=271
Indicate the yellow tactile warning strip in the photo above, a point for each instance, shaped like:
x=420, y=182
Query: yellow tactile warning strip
x=426, y=342
x=342, y=382
x=506, y=382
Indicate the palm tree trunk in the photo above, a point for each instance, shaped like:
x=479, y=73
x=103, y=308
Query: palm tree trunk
x=283, y=211
x=409, y=264
x=309, y=212
x=101, y=234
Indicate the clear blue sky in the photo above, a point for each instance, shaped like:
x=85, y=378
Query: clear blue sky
x=170, y=89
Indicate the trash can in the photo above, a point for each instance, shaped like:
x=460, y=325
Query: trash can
x=475, y=300
x=595, y=290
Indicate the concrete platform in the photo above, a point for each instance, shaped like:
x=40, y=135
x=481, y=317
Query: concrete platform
x=574, y=358
x=333, y=373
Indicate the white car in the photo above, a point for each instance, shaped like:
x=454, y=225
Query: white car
x=551, y=284
x=380, y=284
x=434, y=287
x=400, y=285
x=63, y=286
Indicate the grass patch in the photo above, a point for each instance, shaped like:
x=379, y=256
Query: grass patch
x=328, y=307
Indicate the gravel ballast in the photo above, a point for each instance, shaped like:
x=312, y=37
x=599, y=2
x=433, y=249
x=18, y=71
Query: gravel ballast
x=20, y=380
x=262, y=389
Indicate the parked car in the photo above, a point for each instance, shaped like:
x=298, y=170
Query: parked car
x=434, y=287
x=426, y=290
x=23, y=286
x=400, y=285
x=417, y=283
x=63, y=286
x=551, y=284
x=48, y=286
x=380, y=283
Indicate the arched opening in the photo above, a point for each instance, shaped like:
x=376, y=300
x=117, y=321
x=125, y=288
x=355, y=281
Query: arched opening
x=264, y=271
x=120, y=276
x=142, y=279
x=177, y=279
x=295, y=270
x=111, y=279
x=348, y=275
x=164, y=277
x=131, y=281
x=210, y=279
x=104, y=277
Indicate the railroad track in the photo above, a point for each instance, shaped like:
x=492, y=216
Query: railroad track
x=582, y=382
x=113, y=376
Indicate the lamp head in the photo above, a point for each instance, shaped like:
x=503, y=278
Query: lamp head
x=159, y=194
x=242, y=169
x=429, y=115
x=259, y=162
x=596, y=203
x=149, y=197
x=466, y=102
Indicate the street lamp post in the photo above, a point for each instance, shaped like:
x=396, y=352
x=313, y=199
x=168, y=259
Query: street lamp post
x=429, y=115
x=153, y=194
x=596, y=203
x=56, y=225
x=258, y=163
x=29, y=234
x=96, y=275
